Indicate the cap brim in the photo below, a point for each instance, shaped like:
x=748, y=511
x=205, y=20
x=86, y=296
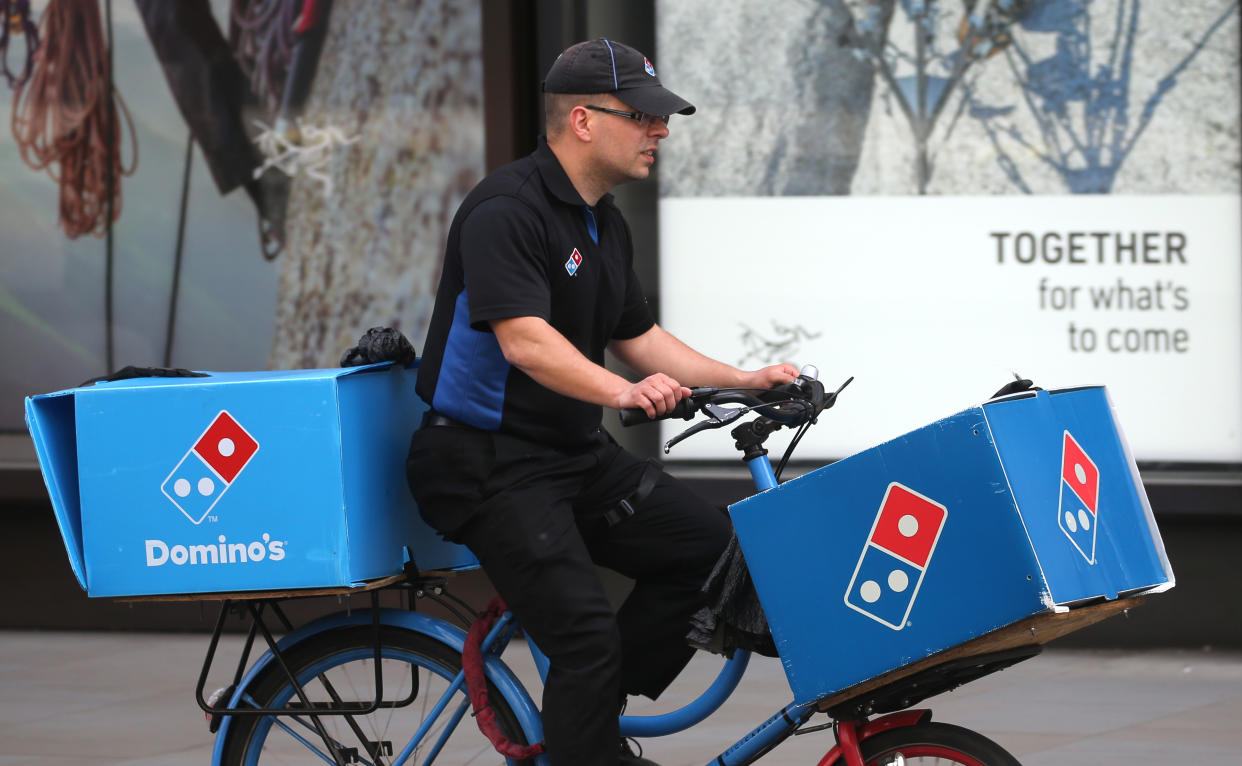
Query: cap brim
x=655, y=99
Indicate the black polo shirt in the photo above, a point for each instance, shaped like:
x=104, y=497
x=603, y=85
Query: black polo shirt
x=524, y=243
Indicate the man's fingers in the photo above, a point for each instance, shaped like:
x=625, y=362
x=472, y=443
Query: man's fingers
x=782, y=373
x=661, y=391
x=660, y=397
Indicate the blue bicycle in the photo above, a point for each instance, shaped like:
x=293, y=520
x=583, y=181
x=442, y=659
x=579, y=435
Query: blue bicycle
x=389, y=685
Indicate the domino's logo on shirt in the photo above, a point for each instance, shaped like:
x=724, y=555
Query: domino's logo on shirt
x=575, y=260
x=896, y=555
x=208, y=469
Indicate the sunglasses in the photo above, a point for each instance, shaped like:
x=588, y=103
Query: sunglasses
x=642, y=118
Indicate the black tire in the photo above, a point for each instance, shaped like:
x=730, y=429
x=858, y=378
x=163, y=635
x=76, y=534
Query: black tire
x=940, y=744
x=345, y=658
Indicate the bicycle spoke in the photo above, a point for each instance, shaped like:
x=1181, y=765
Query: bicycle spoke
x=337, y=671
x=430, y=718
x=349, y=719
x=447, y=731
x=311, y=746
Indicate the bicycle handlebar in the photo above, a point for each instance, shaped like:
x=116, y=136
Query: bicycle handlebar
x=790, y=404
x=683, y=410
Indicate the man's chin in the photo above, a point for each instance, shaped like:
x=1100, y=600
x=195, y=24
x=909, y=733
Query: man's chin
x=640, y=173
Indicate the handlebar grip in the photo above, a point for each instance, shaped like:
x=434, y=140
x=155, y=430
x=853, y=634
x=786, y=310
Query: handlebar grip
x=633, y=416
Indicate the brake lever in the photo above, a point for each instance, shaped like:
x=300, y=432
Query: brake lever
x=831, y=399
x=720, y=416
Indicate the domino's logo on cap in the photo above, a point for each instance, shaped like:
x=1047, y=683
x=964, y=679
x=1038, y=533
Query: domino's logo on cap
x=208, y=469
x=896, y=555
x=1078, y=509
x=647, y=67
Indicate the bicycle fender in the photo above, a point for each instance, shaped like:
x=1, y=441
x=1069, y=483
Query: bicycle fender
x=879, y=725
x=496, y=670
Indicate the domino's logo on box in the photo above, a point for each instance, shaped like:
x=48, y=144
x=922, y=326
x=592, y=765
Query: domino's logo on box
x=896, y=555
x=209, y=468
x=1078, y=508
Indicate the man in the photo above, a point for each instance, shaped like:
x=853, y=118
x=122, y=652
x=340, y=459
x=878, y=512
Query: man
x=537, y=282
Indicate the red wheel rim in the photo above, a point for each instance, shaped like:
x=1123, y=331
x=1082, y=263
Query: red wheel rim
x=931, y=751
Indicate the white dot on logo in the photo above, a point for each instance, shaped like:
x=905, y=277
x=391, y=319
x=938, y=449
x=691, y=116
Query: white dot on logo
x=1070, y=522
x=206, y=486
x=181, y=487
x=225, y=447
x=908, y=525
x=898, y=580
x=870, y=591
x=1084, y=519
x=1080, y=473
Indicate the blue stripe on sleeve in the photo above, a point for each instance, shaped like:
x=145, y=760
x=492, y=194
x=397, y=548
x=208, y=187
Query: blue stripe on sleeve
x=473, y=373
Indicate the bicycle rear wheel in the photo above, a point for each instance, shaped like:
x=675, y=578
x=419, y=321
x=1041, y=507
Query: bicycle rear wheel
x=338, y=666
x=933, y=744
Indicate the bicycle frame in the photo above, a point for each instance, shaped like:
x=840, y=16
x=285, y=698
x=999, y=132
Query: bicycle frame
x=746, y=750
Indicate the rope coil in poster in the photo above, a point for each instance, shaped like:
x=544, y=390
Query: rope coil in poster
x=63, y=116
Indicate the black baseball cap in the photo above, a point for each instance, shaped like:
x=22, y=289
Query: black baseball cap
x=607, y=66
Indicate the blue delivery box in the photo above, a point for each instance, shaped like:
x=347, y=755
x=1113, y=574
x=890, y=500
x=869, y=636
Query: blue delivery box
x=236, y=481
x=1024, y=505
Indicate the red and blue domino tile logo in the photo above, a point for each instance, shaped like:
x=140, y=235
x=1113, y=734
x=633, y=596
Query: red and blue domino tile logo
x=209, y=468
x=575, y=260
x=896, y=555
x=1079, y=504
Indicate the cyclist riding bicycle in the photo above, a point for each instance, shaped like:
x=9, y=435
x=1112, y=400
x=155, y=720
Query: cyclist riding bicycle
x=537, y=281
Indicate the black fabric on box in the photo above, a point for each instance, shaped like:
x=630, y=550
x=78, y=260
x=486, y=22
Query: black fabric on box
x=380, y=344
x=130, y=371
x=733, y=618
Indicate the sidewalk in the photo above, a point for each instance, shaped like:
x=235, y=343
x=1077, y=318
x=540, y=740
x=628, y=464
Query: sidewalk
x=71, y=699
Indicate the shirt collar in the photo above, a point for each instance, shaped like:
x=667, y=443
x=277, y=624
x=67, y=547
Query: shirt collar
x=555, y=178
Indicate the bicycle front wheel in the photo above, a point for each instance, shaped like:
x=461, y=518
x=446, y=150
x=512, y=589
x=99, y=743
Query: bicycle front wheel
x=933, y=744
x=418, y=718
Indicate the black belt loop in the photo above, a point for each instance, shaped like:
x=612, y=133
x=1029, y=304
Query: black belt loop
x=628, y=505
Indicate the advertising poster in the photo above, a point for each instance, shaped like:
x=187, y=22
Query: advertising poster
x=281, y=183
x=933, y=197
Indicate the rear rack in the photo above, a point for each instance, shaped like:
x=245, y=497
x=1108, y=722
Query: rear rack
x=260, y=607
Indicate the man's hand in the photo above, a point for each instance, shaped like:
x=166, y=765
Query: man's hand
x=655, y=395
x=771, y=376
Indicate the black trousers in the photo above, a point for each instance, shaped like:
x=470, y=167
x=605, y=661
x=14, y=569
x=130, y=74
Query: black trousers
x=533, y=515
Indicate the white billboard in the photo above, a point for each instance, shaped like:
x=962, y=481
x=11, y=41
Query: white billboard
x=1049, y=189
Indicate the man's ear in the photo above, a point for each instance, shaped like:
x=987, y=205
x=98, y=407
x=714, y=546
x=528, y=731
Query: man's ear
x=580, y=123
